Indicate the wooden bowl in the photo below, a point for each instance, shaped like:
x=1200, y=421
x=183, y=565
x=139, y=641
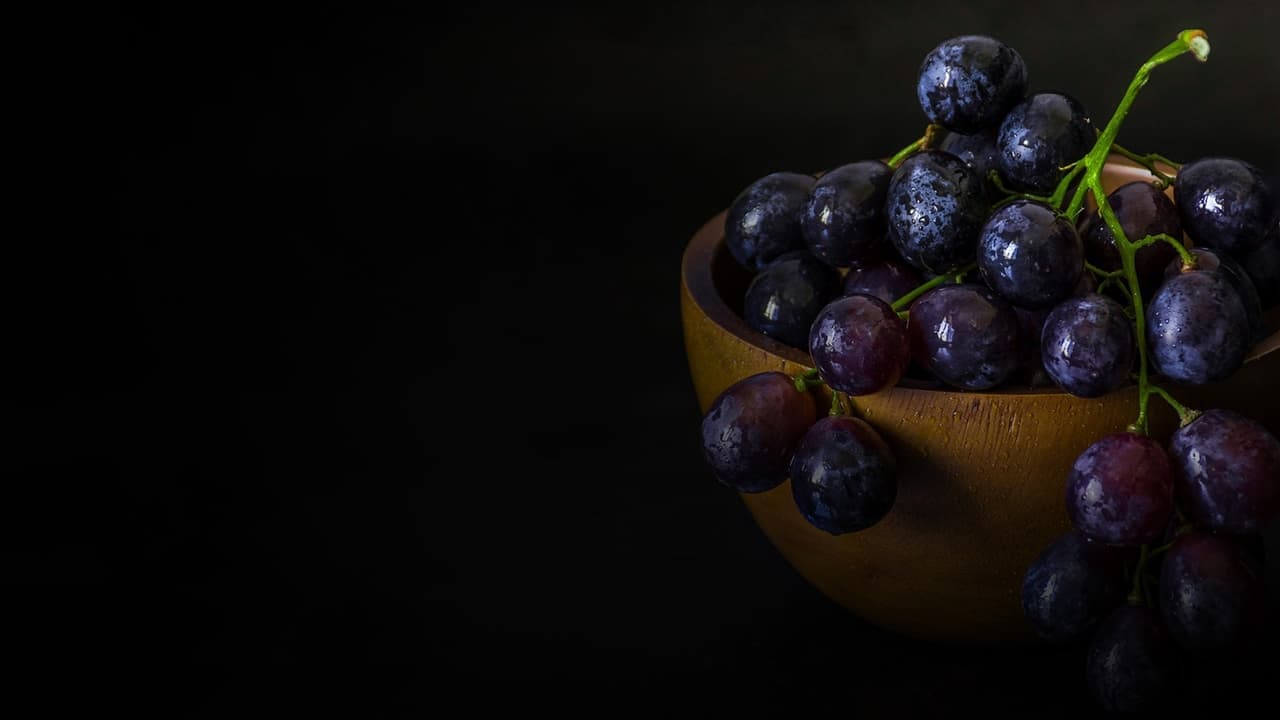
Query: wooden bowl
x=982, y=474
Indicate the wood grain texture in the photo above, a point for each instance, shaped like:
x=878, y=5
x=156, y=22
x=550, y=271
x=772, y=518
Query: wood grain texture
x=982, y=474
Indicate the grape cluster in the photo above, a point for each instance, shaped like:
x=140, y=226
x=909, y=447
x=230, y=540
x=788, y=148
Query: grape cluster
x=970, y=255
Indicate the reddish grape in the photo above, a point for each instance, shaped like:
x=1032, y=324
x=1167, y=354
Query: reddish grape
x=966, y=335
x=1228, y=471
x=752, y=429
x=859, y=345
x=1120, y=490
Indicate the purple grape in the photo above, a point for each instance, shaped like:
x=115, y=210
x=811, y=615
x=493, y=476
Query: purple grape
x=1211, y=592
x=763, y=222
x=1212, y=260
x=1263, y=267
x=968, y=83
x=886, y=279
x=1227, y=471
x=1072, y=585
x=1120, y=490
x=964, y=334
x=1197, y=328
x=859, y=345
x=1133, y=665
x=1087, y=346
x=1142, y=210
x=935, y=207
x=843, y=221
x=1225, y=203
x=978, y=151
x=1038, y=137
x=752, y=429
x=1030, y=254
x=843, y=477
x=786, y=296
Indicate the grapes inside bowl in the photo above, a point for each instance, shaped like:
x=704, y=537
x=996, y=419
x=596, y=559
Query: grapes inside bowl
x=980, y=474
x=978, y=460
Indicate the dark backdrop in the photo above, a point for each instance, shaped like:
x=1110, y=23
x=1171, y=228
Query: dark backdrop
x=350, y=338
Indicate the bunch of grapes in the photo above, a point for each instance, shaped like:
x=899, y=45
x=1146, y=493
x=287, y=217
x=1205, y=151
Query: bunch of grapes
x=970, y=257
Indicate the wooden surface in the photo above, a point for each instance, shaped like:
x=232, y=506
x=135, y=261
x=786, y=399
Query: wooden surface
x=982, y=474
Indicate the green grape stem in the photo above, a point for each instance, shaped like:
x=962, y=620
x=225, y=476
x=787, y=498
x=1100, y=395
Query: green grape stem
x=957, y=275
x=807, y=379
x=1149, y=161
x=1192, y=41
x=837, y=408
x=924, y=143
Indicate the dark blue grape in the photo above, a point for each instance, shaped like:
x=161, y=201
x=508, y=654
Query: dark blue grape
x=1263, y=266
x=1211, y=592
x=786, y=296
x=843, y=477
x=1073, y=584
x=752, y=429
x=858, y=345
x=1228, y=471
x=1197, y=328
x=968, y=83
x=978, y=151
x=1120, y=490
x=964, y=334
x=886, y=279
x=1142, y=210
x=1087, y=345
x=936, y=205
x=1133, y=665
x=843, y=222
x=1224, y=203
x=1030, y=255
x=763, y=222
x=1038, y=137
x=1212, y=260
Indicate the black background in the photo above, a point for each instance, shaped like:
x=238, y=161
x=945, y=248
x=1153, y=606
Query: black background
x=349, y=357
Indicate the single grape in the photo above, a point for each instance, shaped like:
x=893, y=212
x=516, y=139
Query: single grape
x=886, y=279
x=1087, y=345
x=1142, y=210
x=763, y=222
x=843, y=477
x=978, y=151
x=935, y=205
x=1211, y=260
x=786, y=296
x=843, y=221
x=1073, y=584
x=965, y=334
x=1133, y=665
x=1038, y=137
x=1120, y=490
x=1030, y=255
x=1211, y=594
x=968, y=83
x=859, y=345
x=752, y=429
x=1225, y=203
x=1197, y=328
x=1263, y=267
x=1227, y=469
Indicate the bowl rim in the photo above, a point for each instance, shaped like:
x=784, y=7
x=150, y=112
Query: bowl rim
x=699, y=285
